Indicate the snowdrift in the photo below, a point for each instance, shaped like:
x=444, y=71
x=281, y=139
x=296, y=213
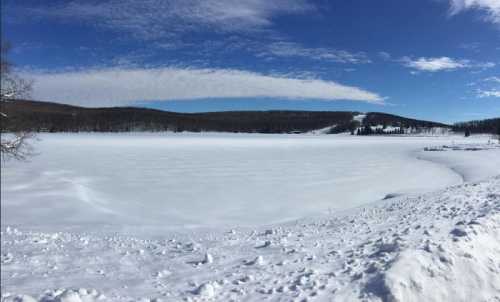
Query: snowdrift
x=442, y=246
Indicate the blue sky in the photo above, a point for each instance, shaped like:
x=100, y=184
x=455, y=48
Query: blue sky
x=430, y=59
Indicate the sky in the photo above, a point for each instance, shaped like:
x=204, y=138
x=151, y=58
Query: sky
x=429, y=59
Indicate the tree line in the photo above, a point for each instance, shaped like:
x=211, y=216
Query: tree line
x=491, y=126
x=36, y=116
x=52, y=117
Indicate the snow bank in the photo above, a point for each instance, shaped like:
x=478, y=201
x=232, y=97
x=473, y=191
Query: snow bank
x=463, y=267
x=465, y=147
x=441, y=246
x=472, y=161
x=60, y=295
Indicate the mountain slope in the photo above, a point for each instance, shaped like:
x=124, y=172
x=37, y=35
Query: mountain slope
x=482, y=126
x=53, y=117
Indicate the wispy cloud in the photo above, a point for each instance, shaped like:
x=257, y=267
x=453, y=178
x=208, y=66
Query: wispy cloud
x=442, y=64
x=488, y=93
x=490, y=8
x=153, y=19
x=493, y=79
x=111, y=87
x=168, y=25
x=472, y=46
x=434, y=64
x=290, y=49
x=384, y=55
x=486, y=87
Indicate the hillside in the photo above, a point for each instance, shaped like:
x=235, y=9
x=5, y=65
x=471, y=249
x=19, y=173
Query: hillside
x=480, y=126
x=53, y=117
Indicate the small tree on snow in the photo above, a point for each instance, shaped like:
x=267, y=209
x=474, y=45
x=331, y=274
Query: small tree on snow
x=12, y=87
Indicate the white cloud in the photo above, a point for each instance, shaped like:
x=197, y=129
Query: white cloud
x=484, y=65
x=472, y=46
x=290, y=49
x=493, y=79
x=486, y=87
x=442, y=64
x=491, y=8
x=384, y=55
x=488, y=93
x=112, y=87
x=167, y=25
x=434, y=64
x=153, y=19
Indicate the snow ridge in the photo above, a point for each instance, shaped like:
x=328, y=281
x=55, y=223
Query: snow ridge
x=439, y=246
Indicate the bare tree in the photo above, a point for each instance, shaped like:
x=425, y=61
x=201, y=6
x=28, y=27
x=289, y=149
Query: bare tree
x=12, y=87
x=16, y=145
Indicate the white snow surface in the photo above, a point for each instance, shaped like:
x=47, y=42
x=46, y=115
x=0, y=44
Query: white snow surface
x=208, y=180
x=360, y=118
x=95, y=218
x=325, y=130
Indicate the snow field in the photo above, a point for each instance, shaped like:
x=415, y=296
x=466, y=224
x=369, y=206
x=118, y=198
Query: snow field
x=207, y=180
x=440, y=246
x=443, y=245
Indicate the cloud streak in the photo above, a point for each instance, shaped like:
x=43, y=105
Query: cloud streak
x=434, y=64
x=155, y=19
x=492, y=79
x=491, y=8
x=114, y=87
x=488, y=93
x=290, y=49
x=442, y=64
x=169, y=25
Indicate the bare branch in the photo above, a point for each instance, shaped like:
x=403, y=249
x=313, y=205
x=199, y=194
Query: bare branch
x=16, y=146
x=12, y=87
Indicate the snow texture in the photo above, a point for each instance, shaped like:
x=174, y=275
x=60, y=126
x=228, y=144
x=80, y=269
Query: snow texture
x=442, y=245
x=199, y=180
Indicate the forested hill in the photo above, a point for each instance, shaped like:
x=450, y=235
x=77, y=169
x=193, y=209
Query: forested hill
x=482, y=126
x=385, y=119
x=54, y=117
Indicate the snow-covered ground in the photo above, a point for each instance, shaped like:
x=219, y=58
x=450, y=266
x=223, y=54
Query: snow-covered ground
x=199, y=180
x=279, y=218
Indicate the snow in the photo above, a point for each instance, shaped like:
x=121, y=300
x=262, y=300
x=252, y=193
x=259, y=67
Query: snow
x=325, y=130
x=359, y=118
x=426, y=132
x=472, y=161
x=463, y=266
x=209, y=180
x=206, y=290
x=437, y=239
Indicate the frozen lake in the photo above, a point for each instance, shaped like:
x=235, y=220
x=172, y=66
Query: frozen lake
x=213, y=180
